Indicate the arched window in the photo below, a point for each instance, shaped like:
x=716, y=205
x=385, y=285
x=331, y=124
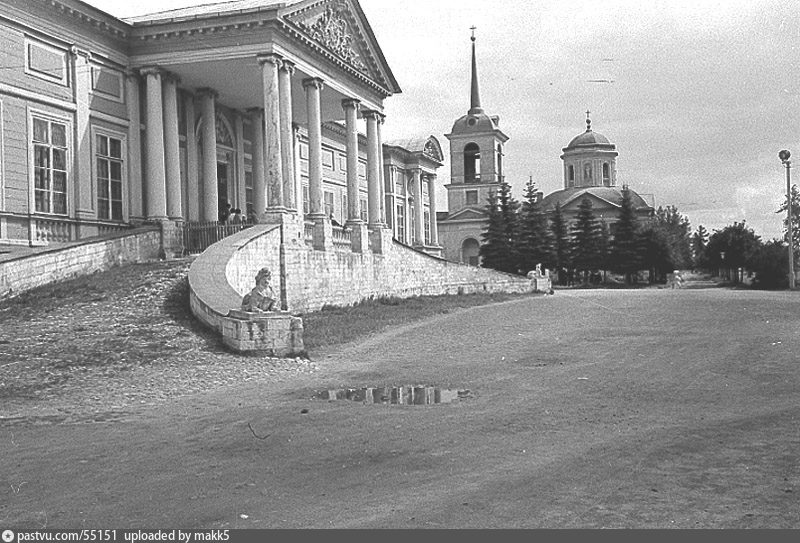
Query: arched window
x=500, y=162
x=470, y=252
x=472, y=163
x=571, y=175
x=606, y=174
x=587, y=173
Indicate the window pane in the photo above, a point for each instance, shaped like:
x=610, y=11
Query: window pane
x=102, y=189
x=59, y=134
x=116, y=190
x=41, y=178
x=59, y=181
x=102, y=145
x=115, y=148
x=116, y=209
x=116, y=171
x=102, y=169
x=41, y=156
x=60, y=204
x=59, y=159
x=40, y=131
x=102, y=209
x=42, y=202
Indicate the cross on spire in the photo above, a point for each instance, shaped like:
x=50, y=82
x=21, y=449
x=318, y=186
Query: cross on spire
x=588, y=121
x=473, y=28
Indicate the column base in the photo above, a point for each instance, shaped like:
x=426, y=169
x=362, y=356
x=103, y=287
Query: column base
x=323, y=233
x=380, y=239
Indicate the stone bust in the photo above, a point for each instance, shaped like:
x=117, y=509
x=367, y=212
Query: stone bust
x=262, y=298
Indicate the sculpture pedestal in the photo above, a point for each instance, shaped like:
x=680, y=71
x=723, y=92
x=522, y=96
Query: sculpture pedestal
x=277, y=334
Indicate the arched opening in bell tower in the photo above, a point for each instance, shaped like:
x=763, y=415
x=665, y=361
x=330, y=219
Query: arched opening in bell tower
x=472, y=163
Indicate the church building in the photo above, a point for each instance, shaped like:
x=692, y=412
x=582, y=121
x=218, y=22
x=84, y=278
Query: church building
x=590, y=171
x=476, y=169
x=274, y=107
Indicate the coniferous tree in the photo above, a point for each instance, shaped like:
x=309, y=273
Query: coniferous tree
x=587, y=240
x=625, y=252
x=699, y=242
x=498, y=249
x=533, y=234
x=560, y=243
x=795, y=222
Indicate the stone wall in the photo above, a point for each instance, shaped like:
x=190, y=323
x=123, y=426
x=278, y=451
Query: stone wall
x=79, y=258
x=311, y=279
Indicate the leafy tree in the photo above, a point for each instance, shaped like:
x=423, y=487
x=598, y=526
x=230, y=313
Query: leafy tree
x=699, y=242
x=560, y=243
x=740, y=245
x=533, y=235
x=655, y=252
x=587, y=240
x=677, y=231
x=771, y=266
x=625, y=251
x=498, y=249
x=795, y=222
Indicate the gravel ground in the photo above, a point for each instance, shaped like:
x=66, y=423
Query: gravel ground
x=114, y=342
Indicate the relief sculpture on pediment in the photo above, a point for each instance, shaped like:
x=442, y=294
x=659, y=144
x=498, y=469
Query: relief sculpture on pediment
x=333, y=31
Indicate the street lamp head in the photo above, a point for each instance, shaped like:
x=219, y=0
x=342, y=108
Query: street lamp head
x=784, y=155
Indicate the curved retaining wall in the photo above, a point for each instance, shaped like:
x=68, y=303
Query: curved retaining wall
x=313, y=279
x=82, y=258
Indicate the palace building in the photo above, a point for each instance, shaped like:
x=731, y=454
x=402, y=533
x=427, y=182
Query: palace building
x=476, y=169
x=273, y=107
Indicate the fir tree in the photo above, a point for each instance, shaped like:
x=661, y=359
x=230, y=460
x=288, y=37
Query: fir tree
x=625, y=253
x=795, y=222
x=498, y=250
x=533, y=234
x=560, y=243
x=587, y=240
x=699, y=242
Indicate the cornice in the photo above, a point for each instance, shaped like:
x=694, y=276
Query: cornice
x=119, y=31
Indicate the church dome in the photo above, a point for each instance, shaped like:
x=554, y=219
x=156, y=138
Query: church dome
x=589, y=139
x=475, y=122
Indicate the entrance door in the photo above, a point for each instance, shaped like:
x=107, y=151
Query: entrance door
x=222, y=191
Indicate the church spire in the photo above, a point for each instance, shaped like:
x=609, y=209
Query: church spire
x=475, y=98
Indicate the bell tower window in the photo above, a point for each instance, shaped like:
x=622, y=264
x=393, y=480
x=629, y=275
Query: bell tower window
x=472, y=163
x=571, y=175
x=606, y=174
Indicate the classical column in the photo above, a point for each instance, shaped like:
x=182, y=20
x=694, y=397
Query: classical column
x=192, y=177
x=350, y=107
x=373, y=170
x=419, y=215
x=313, y=88
x=156, y=188
x=273, y=160
x=290, y=196
x=384, y=215
x=172, y=156
x=432, y=201
x=134, y=148
x=259, y=181
x=210, y=189
x=241, y=190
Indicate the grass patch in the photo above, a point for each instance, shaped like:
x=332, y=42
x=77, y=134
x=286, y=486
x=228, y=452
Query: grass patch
x=337, y=325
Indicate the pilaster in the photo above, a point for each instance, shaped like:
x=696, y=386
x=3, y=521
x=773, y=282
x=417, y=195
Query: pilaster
x=135, y=210
x=83, y=174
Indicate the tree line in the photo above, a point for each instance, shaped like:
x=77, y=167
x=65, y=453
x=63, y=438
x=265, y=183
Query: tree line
x=520, y=235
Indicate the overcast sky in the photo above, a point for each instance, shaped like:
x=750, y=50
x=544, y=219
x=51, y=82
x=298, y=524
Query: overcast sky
x=701, y=95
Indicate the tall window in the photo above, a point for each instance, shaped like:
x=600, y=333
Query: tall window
x=364, y=210
x=606, y=174
x=328, y=195
x=472, y=163
x=427, y=226
x=571, y=175
x=249, y=202
x=50, y=166
x=401, y=222
x=306, y=200
x=108, y=155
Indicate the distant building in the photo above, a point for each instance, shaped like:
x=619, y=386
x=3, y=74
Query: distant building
x=590, y=171
x=476, y=168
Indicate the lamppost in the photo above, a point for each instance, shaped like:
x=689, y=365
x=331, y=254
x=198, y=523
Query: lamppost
x=723, y=272
x=785, y=156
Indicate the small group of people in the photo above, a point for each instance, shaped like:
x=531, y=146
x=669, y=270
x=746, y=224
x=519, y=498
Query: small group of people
x=229, y=214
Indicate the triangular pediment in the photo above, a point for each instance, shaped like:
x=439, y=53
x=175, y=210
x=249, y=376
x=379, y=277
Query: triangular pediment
x=341, y=29
x=597, y=203
x=467, y=214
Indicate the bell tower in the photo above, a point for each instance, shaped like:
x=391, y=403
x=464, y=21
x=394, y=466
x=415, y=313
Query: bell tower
x=476, y=151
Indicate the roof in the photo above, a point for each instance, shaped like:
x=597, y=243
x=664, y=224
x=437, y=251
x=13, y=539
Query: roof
x=589, y=138
x=430, y=147
x=612, y=195
x=210, y=10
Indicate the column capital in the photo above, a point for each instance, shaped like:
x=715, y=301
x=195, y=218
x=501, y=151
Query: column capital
x=207, y=92
x=132, y=75
x=270, y=58
x=373, y=114
x=314, y=82
x=170, y=77
x=288, y=66
x=348, y=103
x=151, y=70
x=254, y=111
